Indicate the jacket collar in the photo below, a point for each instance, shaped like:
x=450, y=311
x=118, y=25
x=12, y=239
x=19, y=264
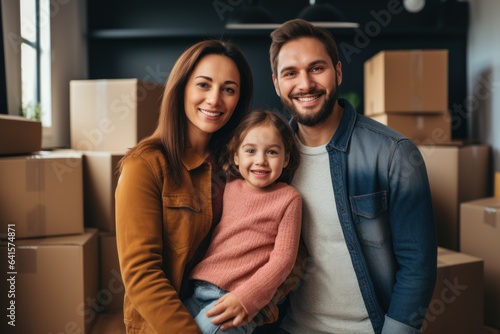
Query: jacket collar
x=192, y=160
x=341, y=138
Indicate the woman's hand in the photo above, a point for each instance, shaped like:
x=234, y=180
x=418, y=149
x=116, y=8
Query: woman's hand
x=228, y=312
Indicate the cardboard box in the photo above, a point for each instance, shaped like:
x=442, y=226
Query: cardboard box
x=480, y=231
x=402, y=81
x=19, y=135
x=497, y=185
x=112, y=115
x=100, y=179
x=423, y=129
x=457, y=173
x=457, y=302
x=54, y=284
x=42, y=195
x=111, y=282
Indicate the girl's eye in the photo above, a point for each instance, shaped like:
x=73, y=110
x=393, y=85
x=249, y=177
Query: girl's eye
x=272, y=152
x=250, y=151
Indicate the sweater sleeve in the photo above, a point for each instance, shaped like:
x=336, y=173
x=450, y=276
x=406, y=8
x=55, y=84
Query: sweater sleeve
x=139, y=241
x=257, y=291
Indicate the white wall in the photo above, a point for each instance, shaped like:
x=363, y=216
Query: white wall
x=69, y=61
x=483, y=75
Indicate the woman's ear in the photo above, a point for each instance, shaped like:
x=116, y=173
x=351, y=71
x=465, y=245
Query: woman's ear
x=236, y=160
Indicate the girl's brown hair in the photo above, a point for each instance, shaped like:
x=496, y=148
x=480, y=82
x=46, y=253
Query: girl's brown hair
x=170, y=133
x=259, y=117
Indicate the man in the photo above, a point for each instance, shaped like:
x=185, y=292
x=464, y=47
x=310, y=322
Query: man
x=368, y=222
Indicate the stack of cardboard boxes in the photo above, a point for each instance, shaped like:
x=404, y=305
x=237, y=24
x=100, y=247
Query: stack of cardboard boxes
x=480, y=236
x=408, y=91
x=57, y=222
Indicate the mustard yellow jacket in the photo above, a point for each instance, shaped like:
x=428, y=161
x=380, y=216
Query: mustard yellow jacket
x=159, y=227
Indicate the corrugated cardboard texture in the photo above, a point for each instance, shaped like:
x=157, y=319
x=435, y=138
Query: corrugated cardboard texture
x=403, y=81
x=42, y=194
x=456, y=174
x=56, y=294
x=110, y=277
x=480, y=236
x=100, y=179
x=19, y=135
x=114, y=114
x=457, y=303
x=423, y=129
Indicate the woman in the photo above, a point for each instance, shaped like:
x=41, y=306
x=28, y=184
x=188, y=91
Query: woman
x=169, y=195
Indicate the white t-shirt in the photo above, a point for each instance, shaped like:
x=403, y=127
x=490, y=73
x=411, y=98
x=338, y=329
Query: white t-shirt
x=328, y=299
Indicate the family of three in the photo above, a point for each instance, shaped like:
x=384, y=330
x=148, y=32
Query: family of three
x=231, y=220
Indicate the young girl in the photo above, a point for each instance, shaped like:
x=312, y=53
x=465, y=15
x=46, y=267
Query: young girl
x=254, y=247
x=168, y=196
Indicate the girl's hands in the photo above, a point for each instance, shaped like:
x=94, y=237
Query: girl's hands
x=228, y=312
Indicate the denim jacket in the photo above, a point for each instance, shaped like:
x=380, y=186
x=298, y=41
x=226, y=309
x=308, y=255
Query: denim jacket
x=385, y=210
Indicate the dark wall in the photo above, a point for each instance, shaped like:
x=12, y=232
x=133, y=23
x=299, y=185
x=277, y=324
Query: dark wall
x=142, y=39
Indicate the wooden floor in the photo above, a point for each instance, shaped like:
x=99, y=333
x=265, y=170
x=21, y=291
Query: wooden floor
x=109, y=323
x=112, y=323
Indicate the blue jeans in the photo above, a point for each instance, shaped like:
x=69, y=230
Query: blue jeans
x=204, y=298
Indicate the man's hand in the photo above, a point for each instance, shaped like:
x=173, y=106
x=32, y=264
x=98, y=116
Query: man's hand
x=228, y=312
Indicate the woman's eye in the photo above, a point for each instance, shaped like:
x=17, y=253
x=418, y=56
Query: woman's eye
x=202, y=84
x=229, y=90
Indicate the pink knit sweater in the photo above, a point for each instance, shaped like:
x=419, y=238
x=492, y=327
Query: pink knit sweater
x=254, y=246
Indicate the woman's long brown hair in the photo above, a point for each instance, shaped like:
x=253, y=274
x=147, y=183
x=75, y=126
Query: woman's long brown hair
x=170, y=133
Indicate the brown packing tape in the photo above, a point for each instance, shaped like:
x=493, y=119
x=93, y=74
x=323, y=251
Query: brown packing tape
x=416, y=79
x=35, y=182
x=26, y=260
x=35, y=174
x=36, y=221
x=490, y=216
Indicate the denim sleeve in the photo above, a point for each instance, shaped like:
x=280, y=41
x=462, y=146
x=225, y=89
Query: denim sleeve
x=392, y=326
x=414, y=238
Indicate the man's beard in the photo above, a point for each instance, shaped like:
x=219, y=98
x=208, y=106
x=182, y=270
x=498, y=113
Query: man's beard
x=314, y=118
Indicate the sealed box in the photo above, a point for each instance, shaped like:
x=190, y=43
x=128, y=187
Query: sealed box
x=19, y=135
x=457, y=173
x=53, y=284
x=111, y=282
x=402, y=81
x=497, y=185
x=114, y=114
x=457, y=302
x=423, y=129
x=100, y=177
x=480, y=236
x=42, y=194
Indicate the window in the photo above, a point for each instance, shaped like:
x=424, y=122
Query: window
x=35, y=60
